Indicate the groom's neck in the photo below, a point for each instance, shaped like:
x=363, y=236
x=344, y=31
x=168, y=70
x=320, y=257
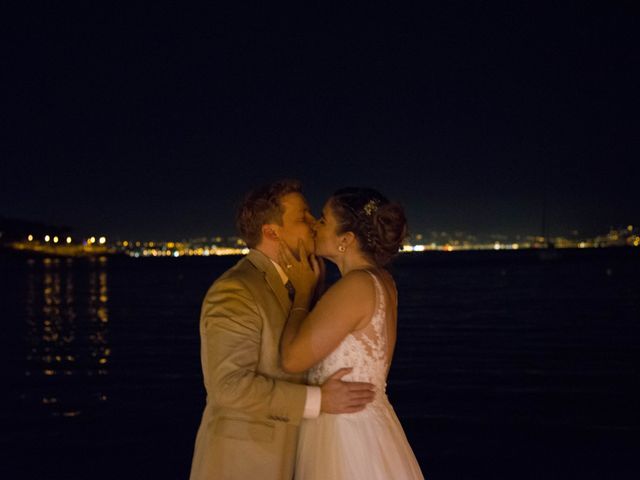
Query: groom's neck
x=270, y=251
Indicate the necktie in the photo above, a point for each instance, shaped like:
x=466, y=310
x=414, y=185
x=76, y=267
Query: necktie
x=290, y=289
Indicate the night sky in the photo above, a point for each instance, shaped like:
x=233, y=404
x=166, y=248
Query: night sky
x=152, y=122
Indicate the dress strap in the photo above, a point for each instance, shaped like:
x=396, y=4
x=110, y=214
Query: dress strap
x=378, y=313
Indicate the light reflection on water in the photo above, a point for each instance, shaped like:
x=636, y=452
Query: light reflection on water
x=67, y=335
x=500, y=359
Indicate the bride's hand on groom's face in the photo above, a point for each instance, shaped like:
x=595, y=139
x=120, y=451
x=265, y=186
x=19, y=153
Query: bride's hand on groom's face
x=303, y=273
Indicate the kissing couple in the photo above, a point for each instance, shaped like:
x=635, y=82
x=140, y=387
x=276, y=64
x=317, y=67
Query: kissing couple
x=295, y=377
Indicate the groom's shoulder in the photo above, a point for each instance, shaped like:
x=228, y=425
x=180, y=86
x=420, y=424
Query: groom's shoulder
x=231, y=293
x=242, y=270
x=242, y=273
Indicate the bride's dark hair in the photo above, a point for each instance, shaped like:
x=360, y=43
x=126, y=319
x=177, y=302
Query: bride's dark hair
x=380, y=226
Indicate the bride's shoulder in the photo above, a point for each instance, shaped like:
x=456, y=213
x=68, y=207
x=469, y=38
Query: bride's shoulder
x=351, y=299
x=357, y=283
x=358, y=276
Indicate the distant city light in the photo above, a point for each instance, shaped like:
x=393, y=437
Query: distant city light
x=620, y=236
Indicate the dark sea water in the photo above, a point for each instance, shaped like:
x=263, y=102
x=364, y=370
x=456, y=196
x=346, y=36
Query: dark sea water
x=507, y=366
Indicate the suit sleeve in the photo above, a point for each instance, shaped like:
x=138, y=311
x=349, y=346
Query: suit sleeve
x=232, y=327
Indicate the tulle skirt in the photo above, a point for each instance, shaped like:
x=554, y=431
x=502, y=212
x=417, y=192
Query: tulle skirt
x=368, y=445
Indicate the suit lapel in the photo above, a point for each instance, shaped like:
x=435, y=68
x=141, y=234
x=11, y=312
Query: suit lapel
x=263, y=263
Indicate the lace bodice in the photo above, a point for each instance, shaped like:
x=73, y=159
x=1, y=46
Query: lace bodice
x=369, y=444
x=365, y=350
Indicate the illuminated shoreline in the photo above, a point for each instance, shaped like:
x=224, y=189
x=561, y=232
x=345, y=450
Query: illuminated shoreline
x=91, y=251
x=223, y=246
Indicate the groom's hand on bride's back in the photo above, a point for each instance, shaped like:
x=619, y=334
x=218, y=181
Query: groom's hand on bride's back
x=339, y=396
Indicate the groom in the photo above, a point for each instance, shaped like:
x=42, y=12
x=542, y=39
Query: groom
x=249, y=427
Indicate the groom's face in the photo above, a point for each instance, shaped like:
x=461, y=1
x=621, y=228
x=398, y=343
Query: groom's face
x=297, y=223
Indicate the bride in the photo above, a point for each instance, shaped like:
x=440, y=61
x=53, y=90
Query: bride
x=352, y=325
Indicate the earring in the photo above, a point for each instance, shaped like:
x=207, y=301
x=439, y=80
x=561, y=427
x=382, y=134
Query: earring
x=341, y=248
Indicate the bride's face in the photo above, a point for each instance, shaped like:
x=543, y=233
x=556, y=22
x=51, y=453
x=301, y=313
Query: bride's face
x=327, y=240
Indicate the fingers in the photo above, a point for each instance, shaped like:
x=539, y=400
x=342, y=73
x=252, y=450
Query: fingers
x=321, y=263
x=364, y=395
x=303, y=253
x=282, y=259
x=340, y=373
x=358, y=386
x=361, y=400
x=286, y=252
x=286, y=259
x=315, y=266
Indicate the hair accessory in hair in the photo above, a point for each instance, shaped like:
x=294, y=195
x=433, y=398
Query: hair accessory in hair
x=370, y=207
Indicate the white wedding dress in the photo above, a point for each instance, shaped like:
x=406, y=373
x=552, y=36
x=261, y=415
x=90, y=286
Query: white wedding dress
x=367, y=445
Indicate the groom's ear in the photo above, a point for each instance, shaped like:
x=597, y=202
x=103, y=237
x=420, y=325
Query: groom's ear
x=269, y=232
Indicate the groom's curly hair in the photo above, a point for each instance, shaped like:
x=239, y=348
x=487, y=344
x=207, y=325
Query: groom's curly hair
x=263, y=205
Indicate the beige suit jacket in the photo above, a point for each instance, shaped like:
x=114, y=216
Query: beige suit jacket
x=249, y=427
